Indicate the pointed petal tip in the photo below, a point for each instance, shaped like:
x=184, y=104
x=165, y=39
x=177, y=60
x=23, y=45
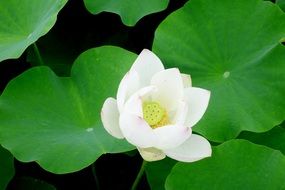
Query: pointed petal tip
x=128, y=85
x=198, y=100
x=147, y=64
x=170, y=88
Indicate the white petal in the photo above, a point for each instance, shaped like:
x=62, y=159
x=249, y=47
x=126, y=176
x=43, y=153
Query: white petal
x=147, y=64
x=193, y=149
x=137, y=131
x=134, y=104
x=151, y=154
x=181, y=113
x=128, y=85
x=110, y=118
x=169, y=88
x=171, y=136
x=198, y=100
x=187, y=82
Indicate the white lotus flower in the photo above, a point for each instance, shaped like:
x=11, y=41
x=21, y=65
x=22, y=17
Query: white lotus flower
x=155, y=110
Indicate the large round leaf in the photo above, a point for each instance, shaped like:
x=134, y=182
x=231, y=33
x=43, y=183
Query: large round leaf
x=130, y=11
x=232, y=48
x=55, y=121
x=22, y=22
x=236, y=164
x=6, y=168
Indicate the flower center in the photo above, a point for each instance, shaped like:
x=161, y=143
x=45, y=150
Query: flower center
x=155, y=115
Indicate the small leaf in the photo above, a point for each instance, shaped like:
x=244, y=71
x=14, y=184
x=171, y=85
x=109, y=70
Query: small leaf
x=55, y=121
x=236, y=164
x=232, y=48
x=6, y=168
x=130, y=11
x=22, y=22
x=156, y=172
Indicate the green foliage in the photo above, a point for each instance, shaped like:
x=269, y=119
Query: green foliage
x=6, y=168
x=22, y=22
x=236, y=164
x=275, y=138
x=130, y=11
x=281, y=4
x=55, y=121
x=157, y=172
x=232, y=48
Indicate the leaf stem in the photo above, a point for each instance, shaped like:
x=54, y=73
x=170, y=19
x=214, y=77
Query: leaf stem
x=37, y=52
x=139, y=176
x=93, y=167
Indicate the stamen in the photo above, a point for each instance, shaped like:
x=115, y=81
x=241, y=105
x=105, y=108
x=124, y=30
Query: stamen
x=154, y=114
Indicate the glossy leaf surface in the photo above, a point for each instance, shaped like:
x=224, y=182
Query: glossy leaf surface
x=130, y=11
x=22, y=22
x=236, y=164
x=232, y=48
x=55, y=121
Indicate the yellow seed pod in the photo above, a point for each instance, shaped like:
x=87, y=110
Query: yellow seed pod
x=154, y=114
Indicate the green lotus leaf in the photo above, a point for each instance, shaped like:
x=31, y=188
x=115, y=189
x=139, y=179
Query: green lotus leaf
x=236, y=164
x=232, y=48
x=7, y=168
x=130, y=11
x=281, y=4
x=55, y=121
x=22, y=22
